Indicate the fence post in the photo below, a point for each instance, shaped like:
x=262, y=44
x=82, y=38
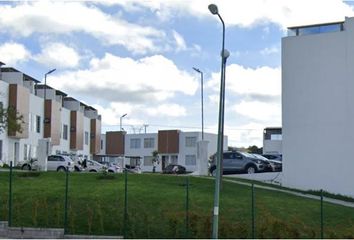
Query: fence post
x=321, y=214
x=66, y=201
x=10, y=196
x=125, y=203
x=187, y=207
x=253, y=213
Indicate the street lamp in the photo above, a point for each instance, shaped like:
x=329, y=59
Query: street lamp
x=224, y=55
x=121, y=117
x=45, y=83
x=201, y=89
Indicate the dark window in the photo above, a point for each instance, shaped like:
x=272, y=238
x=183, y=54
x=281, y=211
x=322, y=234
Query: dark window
x=86, y=138
x=38, y=124
x=65, y=132
x=101, y=144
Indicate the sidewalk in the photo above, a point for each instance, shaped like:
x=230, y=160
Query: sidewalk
x=325, y=199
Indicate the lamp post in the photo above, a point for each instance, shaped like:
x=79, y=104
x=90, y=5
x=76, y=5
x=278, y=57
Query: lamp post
x=224, y=55
x=201, y=89
x=45, y=83
x=121, y=117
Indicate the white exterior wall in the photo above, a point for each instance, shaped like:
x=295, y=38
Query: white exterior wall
x=142, y=152
x=183, y=150
x=272, y=146
x=13, y=77
x=4, y=98
x=36, y=108
x=64, y=146
x=86, y=148
x=318, y=110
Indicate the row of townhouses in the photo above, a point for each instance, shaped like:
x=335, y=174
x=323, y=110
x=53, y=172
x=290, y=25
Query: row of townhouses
x=68, y=125
x=55, y=123
x=173, y=147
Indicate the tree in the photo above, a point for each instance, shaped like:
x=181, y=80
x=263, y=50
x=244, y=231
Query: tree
x=254, y=149
x=10, y=119
x=155, y=159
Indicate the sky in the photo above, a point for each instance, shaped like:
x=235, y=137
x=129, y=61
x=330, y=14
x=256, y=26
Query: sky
x=136, y=57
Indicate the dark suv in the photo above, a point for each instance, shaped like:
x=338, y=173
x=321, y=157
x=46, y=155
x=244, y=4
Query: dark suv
x=235, y=161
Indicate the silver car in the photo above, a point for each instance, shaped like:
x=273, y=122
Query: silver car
x=235, y=162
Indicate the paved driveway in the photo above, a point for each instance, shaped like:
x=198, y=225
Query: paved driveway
x=269, y=177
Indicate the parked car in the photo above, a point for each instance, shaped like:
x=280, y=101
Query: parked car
x=132, y=169
x=60, y=163
x=174, y=169
x=29, y=165
x=235, y=162
x=113, y=168
x=276, y=157
x=93, y=166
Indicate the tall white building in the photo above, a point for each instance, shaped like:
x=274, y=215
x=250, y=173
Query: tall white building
x=318, y=107
x=70, y=126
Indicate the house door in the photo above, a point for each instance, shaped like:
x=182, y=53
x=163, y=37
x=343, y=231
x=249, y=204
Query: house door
x=164, y=162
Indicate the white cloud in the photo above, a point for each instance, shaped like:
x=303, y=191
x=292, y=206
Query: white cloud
x=57, y=17
x=115, y=79
x=170, y=110
x=249, y=13
x=241, y=80
x=260, y=111
x=58, y=55
x=269, y=51
x=12, y=53
x=180, y=43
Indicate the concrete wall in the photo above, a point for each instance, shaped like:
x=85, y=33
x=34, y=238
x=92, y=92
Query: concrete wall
x=318, y=110
x=272, y=146
x=4, y=93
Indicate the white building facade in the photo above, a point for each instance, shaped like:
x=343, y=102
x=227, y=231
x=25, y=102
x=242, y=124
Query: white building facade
x=318, y=107
x=69, y=130
x=173, y=147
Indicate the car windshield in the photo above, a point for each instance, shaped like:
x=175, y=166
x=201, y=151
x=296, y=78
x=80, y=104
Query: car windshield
x=260, y=157
x=246, y=154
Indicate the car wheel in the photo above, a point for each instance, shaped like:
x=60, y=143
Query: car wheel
x=26, y=167
x=110, y=171
x=92, y=170
x=251, y=169
x=61, y=169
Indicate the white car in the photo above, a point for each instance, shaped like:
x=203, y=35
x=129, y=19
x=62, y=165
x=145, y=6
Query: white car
x=93, y=166
x=114, y=168
x=60, y=163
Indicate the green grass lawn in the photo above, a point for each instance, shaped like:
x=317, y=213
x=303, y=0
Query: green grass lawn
x=156, y=208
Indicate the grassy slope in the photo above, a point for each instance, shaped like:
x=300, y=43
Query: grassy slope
x=156, y=206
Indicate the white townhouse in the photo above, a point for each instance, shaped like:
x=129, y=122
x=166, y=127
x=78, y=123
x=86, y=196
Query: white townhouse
x=173, y=147
x=69, y=126
x=318, y=107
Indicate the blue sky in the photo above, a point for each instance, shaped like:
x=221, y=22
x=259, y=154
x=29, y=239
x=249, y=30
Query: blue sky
x=136, y=57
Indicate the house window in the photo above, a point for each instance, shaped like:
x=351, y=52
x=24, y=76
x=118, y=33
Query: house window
x=65, y=132
x=174, y=159
x=38, y=124
x=276, y=137
x=135, y=143
x=149, y=142
x=191, y=141
x=86, y=138
x=148, y=160
x=191, y=160
x=26, y=152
